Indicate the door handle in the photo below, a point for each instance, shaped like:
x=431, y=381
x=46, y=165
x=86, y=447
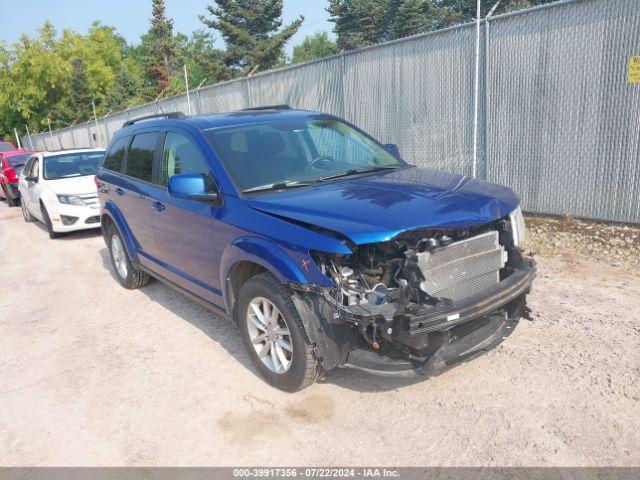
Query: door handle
x=159, y=206
x=119, y=191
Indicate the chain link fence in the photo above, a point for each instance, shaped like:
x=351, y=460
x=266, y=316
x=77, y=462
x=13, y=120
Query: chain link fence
x=558, y=120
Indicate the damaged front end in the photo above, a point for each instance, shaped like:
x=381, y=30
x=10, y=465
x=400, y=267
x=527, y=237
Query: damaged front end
x=421, y=302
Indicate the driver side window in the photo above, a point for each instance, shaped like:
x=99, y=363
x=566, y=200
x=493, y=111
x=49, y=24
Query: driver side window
x=35, y=169
x=31, y=168
x=27, y=168
x=181, y=155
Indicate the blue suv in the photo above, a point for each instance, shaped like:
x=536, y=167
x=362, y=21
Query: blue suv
x=322, y=244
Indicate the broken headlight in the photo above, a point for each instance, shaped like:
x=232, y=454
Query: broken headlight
x=518, y=227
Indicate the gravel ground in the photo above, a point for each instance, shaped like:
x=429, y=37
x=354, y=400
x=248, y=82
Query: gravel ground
x=92, y=374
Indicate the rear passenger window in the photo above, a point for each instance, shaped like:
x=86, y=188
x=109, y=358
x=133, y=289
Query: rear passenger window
x=115, y=157
x=140, y=157
x=181, y=155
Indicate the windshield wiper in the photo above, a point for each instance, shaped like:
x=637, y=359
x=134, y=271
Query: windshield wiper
x=277, y=186
x=355, y=171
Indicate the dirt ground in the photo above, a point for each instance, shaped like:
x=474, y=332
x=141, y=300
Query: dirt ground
x=93, y=374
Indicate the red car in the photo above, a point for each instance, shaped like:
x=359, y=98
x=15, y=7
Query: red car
x=11, y=164
x=6, y=146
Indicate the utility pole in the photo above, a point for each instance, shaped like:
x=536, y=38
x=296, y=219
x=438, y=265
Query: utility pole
x=15, y=131
x=186, y=82
x=95, y=119
x=29, y=137
x=476, y=90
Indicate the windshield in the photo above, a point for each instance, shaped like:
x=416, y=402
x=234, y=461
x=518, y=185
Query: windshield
x=17, y=160
x=71, y=165
x=6, y=147
x=296, y=151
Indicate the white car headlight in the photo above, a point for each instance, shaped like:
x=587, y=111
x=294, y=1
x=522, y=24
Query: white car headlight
x=518, y=227
x=71, y=200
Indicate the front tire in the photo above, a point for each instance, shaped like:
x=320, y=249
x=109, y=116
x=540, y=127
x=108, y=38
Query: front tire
x=128, y=276
x=47, y=222
x=274, y=335
x=26, y=214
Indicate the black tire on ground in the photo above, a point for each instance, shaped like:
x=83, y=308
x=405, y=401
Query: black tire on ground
x=26, y=214
x=135, y=278
x=47, y=222
x=12, y=202
x=305, y=368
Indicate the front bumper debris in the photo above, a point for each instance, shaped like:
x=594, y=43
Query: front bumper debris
x=488, y=333
x=439, y=336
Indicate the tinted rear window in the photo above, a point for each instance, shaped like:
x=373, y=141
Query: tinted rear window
x=140, y=156
x=115, y=156
x=16, y=160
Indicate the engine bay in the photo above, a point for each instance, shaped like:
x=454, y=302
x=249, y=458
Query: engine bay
x=380, y=287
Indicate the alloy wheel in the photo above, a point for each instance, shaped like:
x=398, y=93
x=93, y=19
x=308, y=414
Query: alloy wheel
x=269, y=335
x=119, y=256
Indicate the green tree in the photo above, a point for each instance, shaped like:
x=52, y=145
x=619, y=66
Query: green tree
x=412, y=17
x=126, y=89
x=205, y=63
x=453, y=12
x=252, y=32
x=359, y=23
x=315, y=46
x=101, y=51
x=162, y=42
x=79, y=99
x=34, y=77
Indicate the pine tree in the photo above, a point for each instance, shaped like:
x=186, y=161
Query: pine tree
x=359, y=23
x=125, y=89
x=453, y=12
x=79, y=105
x=162, y=42
x=251, y=31
x=411, y=18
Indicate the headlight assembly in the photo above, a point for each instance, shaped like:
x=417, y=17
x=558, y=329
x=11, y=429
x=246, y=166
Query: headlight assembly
x=518, y=227
x=71, y=200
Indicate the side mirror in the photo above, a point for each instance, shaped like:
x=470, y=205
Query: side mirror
x=192, y=186
x=30, y=178
x=392, y=148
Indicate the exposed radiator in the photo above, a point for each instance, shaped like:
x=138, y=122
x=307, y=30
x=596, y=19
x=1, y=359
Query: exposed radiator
x=463, y=268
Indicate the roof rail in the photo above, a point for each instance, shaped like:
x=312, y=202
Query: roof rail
x=155, y=115
x=269, y=107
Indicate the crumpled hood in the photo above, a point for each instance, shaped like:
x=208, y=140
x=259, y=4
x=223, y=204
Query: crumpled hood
x=73, y=185
x=375, y=208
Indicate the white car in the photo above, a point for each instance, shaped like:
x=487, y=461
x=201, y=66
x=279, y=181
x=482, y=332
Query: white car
x=58, y=188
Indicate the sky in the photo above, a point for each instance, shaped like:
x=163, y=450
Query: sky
x=131, y=17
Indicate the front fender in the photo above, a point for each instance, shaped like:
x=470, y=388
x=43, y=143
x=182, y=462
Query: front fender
x=284, y=264
x=111, y=210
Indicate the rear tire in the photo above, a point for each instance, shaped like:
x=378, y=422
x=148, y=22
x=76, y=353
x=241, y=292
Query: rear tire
x=47, y=222
x=26, y=214
x=12, y=202
x=128, y=276
x=300, y=367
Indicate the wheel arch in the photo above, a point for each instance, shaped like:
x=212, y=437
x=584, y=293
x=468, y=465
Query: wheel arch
x=111, y=216
x=249, y=256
